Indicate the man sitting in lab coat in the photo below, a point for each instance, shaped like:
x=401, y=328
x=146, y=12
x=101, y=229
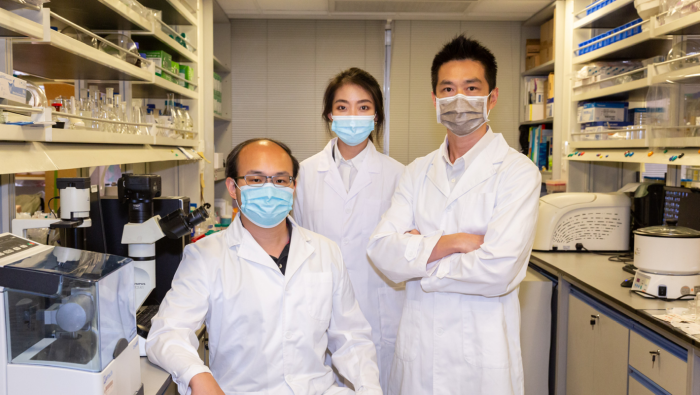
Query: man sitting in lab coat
x=273, y=296
x=459, y=232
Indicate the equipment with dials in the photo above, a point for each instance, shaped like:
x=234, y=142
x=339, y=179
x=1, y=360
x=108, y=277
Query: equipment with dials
x=667, y=258
x=598, y=221
x=75, y=196
x=68, y=321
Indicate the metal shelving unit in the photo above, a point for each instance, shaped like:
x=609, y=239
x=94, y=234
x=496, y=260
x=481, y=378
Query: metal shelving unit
x=174, y=11
x=611, y=16
x=538, y=122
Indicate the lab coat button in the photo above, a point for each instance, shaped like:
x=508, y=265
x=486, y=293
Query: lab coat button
x=440, y=332
x=288, y=335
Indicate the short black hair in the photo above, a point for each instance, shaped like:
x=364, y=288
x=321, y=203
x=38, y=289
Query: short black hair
x=462, y=48
x=365, y=81
x=232, y=158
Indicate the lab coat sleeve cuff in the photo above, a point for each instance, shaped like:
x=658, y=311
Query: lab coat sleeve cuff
x=419, y=249
x=183, y=382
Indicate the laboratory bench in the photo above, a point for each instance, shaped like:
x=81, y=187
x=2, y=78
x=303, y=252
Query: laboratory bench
x=606, y=339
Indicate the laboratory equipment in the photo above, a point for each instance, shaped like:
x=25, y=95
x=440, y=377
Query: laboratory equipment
x=667, y=261
x=74, y=194
x=144, y=228
x=36, y=96
x=597, y=221
x=68, y=321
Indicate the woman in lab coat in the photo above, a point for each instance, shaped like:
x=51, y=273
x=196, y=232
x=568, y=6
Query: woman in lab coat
x=342, y=193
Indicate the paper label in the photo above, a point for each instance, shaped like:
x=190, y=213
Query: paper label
x=12, y=88
x=641, y=282
x=108, y=387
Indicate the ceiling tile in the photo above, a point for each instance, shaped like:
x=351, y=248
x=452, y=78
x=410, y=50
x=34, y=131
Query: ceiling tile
x=293, y=5
x=508, y=7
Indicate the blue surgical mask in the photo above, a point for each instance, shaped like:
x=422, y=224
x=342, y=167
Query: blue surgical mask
x=266, y=206
x=353, y=129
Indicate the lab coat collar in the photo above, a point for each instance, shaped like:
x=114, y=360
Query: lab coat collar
x=370, y=164
x=484, y=166
x=249, y=249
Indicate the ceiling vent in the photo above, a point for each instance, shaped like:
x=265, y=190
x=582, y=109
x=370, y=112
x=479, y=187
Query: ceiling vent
x=429, y=7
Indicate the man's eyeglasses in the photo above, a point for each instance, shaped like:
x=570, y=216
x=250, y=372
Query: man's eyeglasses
x=255, y=180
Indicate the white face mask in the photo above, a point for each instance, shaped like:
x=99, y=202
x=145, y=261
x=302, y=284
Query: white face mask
x=461, y=114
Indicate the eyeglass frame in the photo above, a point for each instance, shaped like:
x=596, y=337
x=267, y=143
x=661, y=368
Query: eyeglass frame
x=268, y=179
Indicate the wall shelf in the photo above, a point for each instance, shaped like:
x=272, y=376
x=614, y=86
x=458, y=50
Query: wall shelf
x=17, y=5
x=685, y=75
x=612, y=90
x=219, y=118
x=639, y=46
x=46, y=134
x=159, y=88
x=100, y=14
x=538, y=122
x=687, y=25
x=174, y=12
x=543, y=69
x=16, y=26
x=611, y=16
x=220, y=67
x=598, y=144
x=62, y=57
x=690, y=157
x=160, y=40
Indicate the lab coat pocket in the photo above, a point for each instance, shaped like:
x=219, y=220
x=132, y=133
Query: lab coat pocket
x=409, y=331
x=484, y=334
x=391, y=301
x=319, y=295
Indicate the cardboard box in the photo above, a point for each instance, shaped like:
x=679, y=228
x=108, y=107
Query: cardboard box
x=547, y=41
x=550, y=108
x=162, y=59
x=550, y=86
x=532, y=61
x=603, y=112
x=532, y=46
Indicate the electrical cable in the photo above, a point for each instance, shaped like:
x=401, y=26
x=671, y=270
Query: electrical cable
x=613, y=257
x=650, y=296
x=49, y=206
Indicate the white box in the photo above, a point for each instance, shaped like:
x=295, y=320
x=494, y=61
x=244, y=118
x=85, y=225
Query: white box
x=603, y=112
x=536, y=112
x=550, y=110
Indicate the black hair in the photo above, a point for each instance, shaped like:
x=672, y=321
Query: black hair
x=365, y=81
x=232, y=158
x=462, y=48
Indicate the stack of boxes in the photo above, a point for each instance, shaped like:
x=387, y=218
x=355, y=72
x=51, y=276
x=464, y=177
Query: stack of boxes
x=164, y=61
x=532, y=60
x=217, y=95
x=536, y=97
x=547, y=40
x=597, y=117
x=549, y=110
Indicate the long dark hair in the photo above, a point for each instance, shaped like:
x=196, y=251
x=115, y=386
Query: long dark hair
x=365, y=81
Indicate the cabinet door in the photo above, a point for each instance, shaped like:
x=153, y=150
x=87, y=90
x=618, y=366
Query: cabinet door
x=580, y=348
x=610, y=356
x=637, y=388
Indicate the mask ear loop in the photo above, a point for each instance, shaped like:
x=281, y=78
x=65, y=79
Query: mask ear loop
x=486, y=107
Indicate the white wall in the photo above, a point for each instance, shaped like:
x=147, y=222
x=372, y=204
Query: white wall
x=414, y=128
x=281, y=68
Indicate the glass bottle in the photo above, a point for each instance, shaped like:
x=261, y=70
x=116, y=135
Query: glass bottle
x=189, y=123
x=92, y=107
x=109, y=113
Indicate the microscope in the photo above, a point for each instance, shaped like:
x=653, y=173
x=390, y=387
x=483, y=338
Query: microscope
x=144, y=229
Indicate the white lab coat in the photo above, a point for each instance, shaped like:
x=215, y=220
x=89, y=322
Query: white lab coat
x=460, y=328
x=348, y=218
x=268, y=332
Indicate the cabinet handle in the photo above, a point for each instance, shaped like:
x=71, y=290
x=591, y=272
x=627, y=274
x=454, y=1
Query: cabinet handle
x=654, y=354
x=594, y=317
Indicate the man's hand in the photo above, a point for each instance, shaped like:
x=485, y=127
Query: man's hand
x=456, y=243
x=204, y=384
